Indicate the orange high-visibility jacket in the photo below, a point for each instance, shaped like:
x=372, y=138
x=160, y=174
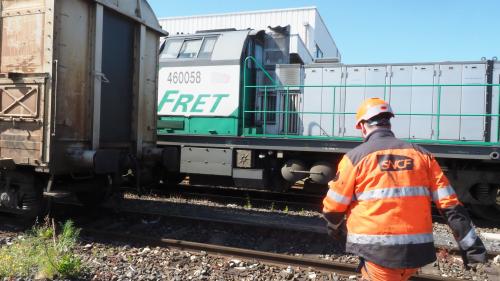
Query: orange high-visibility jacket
x=385, y=188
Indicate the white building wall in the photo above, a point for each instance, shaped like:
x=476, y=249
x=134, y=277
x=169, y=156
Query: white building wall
x=322, y=37
x=306, y=22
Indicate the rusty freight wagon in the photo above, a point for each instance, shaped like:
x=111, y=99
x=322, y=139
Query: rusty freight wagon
x=77, y=81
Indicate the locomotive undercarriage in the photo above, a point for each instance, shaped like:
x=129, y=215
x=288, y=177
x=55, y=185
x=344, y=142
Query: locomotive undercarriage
x=476, y=182
x=21, y=188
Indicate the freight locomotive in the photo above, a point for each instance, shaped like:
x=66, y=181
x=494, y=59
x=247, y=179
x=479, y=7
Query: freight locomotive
x=234, y=107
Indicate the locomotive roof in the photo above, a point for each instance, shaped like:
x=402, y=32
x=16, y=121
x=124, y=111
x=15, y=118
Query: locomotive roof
x=225, y=45
x=321, y=64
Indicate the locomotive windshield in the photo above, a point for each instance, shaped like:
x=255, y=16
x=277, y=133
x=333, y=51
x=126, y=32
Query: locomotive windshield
x=171, y=49
x=189, y=48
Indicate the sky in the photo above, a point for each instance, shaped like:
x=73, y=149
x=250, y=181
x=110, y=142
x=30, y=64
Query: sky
x=383, y=31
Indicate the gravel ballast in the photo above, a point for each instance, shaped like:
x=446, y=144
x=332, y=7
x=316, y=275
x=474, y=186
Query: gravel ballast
x=109, y=260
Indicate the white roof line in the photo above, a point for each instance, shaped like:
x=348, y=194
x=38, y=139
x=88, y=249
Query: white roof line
x=329, y=33
x=240, y=13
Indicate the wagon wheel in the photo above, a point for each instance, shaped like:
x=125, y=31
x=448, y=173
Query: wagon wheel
x=23, y=195
x=99, y=190
x=31, y=200
x=489, y=202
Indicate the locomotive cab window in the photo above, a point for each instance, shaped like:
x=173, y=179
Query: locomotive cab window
x=190, y=48
x=207, y=47
x=171, y=49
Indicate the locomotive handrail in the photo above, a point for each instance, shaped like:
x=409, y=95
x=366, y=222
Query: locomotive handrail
x=259, y=66
x=250, y=58
x=437, y=112
x=372, y=85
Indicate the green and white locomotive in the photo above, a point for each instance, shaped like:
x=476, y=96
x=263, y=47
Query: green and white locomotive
x=234, y=106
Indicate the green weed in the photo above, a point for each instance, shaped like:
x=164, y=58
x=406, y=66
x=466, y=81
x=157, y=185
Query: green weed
x=42, y=253
x=248, y=204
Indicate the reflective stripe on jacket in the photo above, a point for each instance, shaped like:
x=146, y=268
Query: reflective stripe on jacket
x=385, y=187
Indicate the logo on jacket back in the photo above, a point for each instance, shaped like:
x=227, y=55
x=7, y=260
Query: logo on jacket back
x=391, y=162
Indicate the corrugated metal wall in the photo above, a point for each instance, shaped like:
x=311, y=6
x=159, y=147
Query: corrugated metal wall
x=305, y=22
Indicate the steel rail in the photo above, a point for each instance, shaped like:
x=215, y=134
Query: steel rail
x=246, y=200
x=257, y=198
x=224, y=251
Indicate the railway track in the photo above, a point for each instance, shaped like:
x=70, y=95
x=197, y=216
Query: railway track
x=291, y=201
x=294, y=200
x=106, y=231
x=239, y=217
x=232, y=252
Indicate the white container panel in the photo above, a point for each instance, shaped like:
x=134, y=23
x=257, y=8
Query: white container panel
x=311, y=123
x=376, y=75
x=354, y=96
x=449, y=126
x=422, y=102
x=400, y=99
x=330, y=101
x=473, y=102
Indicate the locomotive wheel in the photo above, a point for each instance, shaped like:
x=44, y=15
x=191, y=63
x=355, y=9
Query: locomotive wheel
x=100, y=189
x=489, y=206
x=279, y=184
x=173, y=179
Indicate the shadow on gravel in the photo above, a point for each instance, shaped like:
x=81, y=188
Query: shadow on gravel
x=250, y=229
x=14, y=223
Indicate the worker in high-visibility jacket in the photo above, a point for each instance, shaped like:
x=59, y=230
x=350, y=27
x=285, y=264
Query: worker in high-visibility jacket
x=379, y=203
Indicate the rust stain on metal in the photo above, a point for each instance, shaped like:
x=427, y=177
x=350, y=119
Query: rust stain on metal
x=22, y=42
x=73, y=48
x=22, y=142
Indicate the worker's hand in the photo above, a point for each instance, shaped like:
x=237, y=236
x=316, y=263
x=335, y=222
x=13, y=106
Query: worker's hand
x=336, y=227
x=338, y=233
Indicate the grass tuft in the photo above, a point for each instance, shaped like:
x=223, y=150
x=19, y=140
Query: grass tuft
x=42, y=253
x=248, y=204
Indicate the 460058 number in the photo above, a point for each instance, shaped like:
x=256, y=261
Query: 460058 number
x=184, y=77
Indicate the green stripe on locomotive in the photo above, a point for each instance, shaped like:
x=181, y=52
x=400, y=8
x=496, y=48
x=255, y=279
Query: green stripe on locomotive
x=226, y=126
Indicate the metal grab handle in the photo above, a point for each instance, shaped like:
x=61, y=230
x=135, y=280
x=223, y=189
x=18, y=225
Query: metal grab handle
x=103, y=77
x=54, y=114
